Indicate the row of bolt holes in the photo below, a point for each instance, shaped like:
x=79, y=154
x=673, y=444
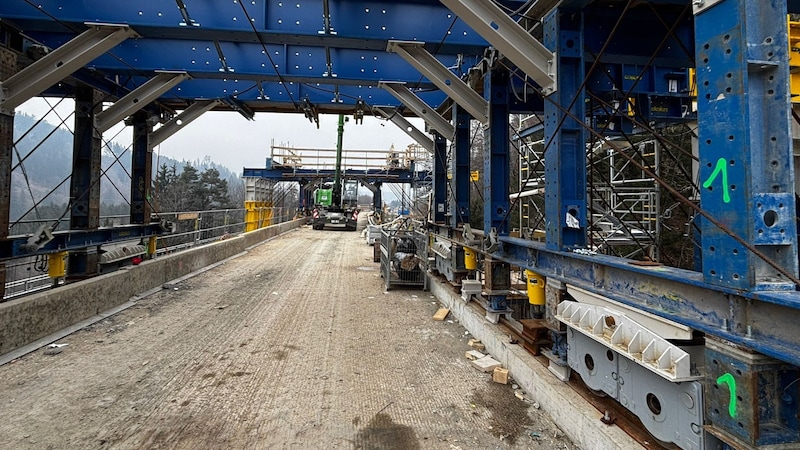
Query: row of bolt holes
x=728, y=51
x=738, y=397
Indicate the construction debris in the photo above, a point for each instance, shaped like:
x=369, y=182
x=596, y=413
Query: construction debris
x=476, y=344
x=500, y=375
x=472, y=355
x=441, y=314
x=486, y=364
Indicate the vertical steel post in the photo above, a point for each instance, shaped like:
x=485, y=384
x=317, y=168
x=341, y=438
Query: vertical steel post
x=8, y=67
x=141, y=168
x=439, y=177
x=85, y=180
x=495, y=155
x=565, y=157
x=746, y=170
x=377, y=199
x=459, y=207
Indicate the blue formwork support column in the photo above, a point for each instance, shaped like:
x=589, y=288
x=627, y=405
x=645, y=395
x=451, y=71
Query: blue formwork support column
x=459, y=207
x=141, y=168
x=565, y=157
x=85, y=180
x=746, y=170
x=377, y=198
x=495, y=155
x=439, y=178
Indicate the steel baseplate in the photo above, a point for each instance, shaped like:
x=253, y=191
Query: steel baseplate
x=618, y=332
x=671, y=412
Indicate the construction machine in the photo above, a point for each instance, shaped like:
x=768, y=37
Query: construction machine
x=336, y=204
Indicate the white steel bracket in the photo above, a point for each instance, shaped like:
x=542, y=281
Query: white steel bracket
x=628, y=338
x=419, y=107
x=396, y=118
x=138, y=98
x=415, y=54
x=510, y=38
x=186, y=117
x=699, y=6
x=61, y=62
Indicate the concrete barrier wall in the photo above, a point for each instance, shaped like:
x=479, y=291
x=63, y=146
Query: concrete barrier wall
x=33, y=317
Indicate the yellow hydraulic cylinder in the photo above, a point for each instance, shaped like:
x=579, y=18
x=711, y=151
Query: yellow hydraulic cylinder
x=152, y=246
x=470, y=259
x=57, y=265
x=535, y=288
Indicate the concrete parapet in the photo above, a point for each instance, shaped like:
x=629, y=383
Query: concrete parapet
x=33, y=317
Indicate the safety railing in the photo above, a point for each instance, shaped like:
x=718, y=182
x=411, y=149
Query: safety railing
x=191, y=229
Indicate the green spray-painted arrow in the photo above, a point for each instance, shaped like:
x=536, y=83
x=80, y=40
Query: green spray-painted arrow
x=722, y=167
x=731, y=382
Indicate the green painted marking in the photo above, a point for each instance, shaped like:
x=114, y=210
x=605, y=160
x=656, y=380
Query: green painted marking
x=722, y=167
x=731, y=382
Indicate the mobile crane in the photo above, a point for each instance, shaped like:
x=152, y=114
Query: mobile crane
x=332, y=207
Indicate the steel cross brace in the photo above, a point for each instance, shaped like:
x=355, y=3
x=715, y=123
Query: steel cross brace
x=61, y=62
x=507, y=36
x=138, y=99
x=415, y=54
x=396, y=118
x=419, y=107
x=186, y=117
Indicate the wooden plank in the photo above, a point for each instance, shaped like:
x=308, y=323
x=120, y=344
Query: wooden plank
x=441, y=314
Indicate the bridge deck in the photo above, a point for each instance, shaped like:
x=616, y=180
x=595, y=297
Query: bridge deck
x=294, y=344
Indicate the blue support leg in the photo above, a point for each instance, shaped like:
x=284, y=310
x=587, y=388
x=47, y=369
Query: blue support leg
x=565, y=157
x=459, y=210
x=141, y=169
x=439, y=178
x=496, y=159
x=746, y=169
x=85, y=180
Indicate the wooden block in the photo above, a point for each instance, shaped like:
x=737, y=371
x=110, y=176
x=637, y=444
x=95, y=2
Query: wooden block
x=479, y=347
x=500, y=375
x=472, y=342
x=441, y=314
x=472, y=355
x=486, y=364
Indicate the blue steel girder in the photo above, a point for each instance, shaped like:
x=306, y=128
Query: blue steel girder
x=370, y=176
x=16, y=246
x=349, y=56
x=765, y=321
x=746, y=167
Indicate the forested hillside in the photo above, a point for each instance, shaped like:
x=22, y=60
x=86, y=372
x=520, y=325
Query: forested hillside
x=43, y=176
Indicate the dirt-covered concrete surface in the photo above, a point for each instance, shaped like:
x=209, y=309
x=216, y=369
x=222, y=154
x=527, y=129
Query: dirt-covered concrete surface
x=294, y=345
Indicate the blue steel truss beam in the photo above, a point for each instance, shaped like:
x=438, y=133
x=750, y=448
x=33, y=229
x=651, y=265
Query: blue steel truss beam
x=280, y=44
x=371, y=176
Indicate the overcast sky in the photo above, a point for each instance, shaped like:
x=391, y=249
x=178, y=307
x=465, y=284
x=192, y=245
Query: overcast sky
x=231, y=140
